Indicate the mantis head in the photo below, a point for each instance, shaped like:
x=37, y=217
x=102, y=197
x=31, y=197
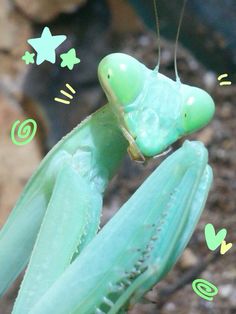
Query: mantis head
x=153, y=111
x=122, y=78
x=197, y=108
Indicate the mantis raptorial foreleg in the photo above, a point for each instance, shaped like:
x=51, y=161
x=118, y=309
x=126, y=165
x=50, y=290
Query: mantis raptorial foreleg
x=71, y=220
x=18, y=235
x=139, y=244
x=96, y=160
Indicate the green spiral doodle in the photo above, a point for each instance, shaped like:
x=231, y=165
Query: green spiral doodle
x=204, y=289
x=25, y=132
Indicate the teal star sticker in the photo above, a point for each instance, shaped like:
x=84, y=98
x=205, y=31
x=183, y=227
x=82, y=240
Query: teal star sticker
x=46, y=46
x=69, y=59
x=28, y=57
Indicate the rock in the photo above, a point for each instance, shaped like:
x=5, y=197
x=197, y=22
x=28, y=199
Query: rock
x=14, y=29
x=210, y=80
x=206, y=135
x=14, y=32
x=44, y=10
x=17, y=162
x=228, y=293
x=143, y=309
x=169, y=307
x=188, y=259
x=123, y=17
x=226, y=290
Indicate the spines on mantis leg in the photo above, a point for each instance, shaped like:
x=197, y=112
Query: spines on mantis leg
x=158, y=268
x=96, y=148
x=72, y=216
x=132, y=252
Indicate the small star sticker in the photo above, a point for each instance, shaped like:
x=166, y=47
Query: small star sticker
x=46, y=46
x=28, y=57
x=69, y=59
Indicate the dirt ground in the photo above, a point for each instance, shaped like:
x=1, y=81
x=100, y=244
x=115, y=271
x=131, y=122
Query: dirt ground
x=174, y=294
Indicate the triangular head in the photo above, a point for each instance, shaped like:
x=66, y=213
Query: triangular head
x=153, y=110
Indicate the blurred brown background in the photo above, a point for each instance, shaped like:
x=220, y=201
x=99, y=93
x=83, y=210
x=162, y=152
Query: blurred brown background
x=96, y=28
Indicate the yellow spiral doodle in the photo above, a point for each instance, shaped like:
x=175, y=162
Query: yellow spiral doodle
x=25, y=133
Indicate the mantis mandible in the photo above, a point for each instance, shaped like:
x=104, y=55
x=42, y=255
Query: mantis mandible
x=57, y=216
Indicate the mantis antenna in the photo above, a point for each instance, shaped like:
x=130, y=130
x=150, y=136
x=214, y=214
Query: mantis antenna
x=177, y=38
x=158, y=35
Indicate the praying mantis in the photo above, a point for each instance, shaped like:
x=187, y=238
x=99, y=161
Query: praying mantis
x=74, y=269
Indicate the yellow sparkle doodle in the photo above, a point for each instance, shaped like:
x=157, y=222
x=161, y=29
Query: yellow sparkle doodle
x=66, y=94
x=224, y=82
x=26, y=131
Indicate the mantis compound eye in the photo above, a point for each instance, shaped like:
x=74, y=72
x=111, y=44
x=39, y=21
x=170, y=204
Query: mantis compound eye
x=122, y=78
x=197, y=109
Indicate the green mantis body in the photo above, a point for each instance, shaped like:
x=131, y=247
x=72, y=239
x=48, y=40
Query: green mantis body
x=139, y=245
x=61, y=204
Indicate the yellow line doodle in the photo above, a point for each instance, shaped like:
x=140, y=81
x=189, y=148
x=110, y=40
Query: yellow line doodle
x=225, y=82
x=71, y=89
